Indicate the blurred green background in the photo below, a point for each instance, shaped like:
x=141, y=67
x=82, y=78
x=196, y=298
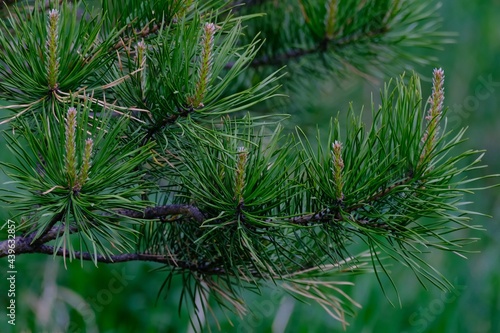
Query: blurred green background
x=122, y=297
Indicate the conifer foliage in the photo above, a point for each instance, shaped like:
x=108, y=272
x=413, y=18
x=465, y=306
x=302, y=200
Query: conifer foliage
x=132, y=130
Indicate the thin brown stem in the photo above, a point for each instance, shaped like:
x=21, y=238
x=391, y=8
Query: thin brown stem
x=159, y=212
x=322, y=46
x=206, y=268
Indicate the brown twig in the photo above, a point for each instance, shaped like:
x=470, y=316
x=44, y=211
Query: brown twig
x=377, y=196
x=322, y=46
x=206, y=268
x=181, y=113
x=143, y=33
x=159, y=212
x=28, y=243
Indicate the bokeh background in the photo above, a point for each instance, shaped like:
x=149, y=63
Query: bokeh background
x=123, y=297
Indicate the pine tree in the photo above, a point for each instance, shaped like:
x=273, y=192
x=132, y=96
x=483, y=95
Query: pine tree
x=137, y=136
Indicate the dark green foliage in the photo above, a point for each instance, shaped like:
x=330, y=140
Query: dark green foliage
x=367, y=37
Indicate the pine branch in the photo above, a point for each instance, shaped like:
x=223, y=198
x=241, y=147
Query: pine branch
x=160, y=212
x=31, y=242
x=238, y=201
x=321, y=47
x=49, y=233
x=165, y=121
x=28, y=243
x=348, y=36
x=22, y=247
x=145, y=32
x=379, y=195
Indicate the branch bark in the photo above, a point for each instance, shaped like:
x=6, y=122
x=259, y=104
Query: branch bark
x=206, y=268
x=159, y=212
x=293, y=54
x=28, y=244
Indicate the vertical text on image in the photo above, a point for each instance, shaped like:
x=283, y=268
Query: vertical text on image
x=11, y=272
